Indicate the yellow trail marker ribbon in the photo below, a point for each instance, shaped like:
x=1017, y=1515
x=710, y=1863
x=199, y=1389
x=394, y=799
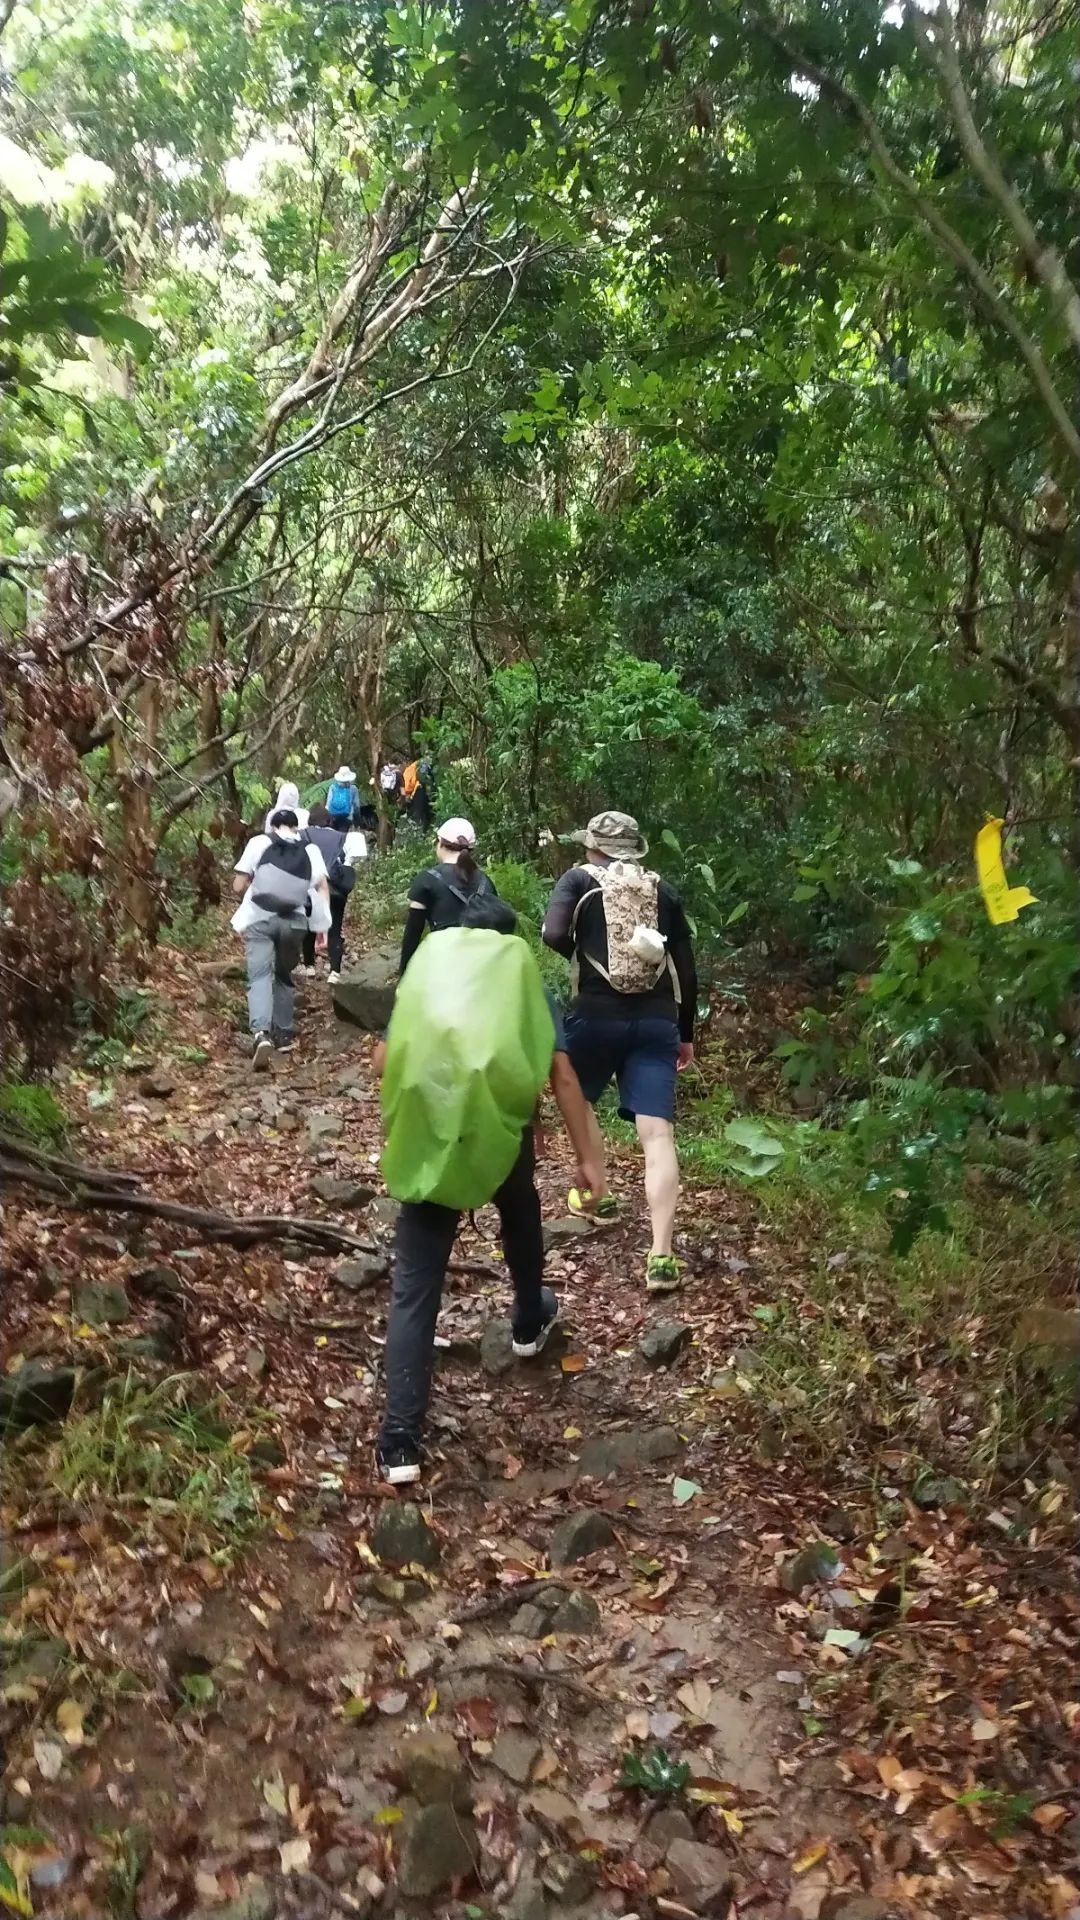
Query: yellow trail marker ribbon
x=1002, y=901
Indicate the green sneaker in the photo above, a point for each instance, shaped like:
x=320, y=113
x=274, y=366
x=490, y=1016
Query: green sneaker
x=662, y=1273
x=579, y=1204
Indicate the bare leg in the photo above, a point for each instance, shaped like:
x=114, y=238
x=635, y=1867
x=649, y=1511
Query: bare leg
x=661, y=1177
x=596, y=1146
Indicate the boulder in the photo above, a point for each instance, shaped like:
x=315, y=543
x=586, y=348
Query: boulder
x=441, y=1846
x=579, y=1535
x=663, y=1342
x=324, y=1126
x=578, y=1613
x=101, y=1303
x=35, y=1394
x=817, y=1561
x=341, y=1193
x=365, y=996
x=402, y=1537
x=515, y=1754
x=434, y=1770
x=702, y=1875
x=361, y=1271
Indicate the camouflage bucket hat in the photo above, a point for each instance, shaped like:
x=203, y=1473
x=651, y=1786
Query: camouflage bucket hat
x=615, y=834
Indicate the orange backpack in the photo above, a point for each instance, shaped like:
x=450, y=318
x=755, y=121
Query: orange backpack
x=410, y=779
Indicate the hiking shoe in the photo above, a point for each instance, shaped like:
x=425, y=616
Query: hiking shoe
x=309, y=972
x=284, y=1043
x=264, y=1047
x=526, y=1346
x=332, y=978
x=579, y=1204
x=399, y=1465
x=662, y=1273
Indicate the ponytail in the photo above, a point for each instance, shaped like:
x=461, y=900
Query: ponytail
x=466, y=865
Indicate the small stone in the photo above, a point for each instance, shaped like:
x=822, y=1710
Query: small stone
x=337, y=1865
x=667, y=1825
x=939, y=1491
x=324, y=1126
x=341, y=1193
x=747, y=1360
x=701, y=1874
x=158, y=1345
x=725, y=1382
x=434, y=1770
x=45, y=1874
x=840, y=1524
x=441, y=1846
x=34, y=1395
x=579, y=1535
x=815, y=1562
x=567, y=1877
x=663, y=1342
x=527, y=1901
x=402, y=1537
x=158, y=1282
x=496, y=1349
x=579, y=1613
x=608, y=1454
x=158, y=1084
x=384, y=1211
x=515, y=1754
x=529, y=1621
x=569, y=1227
x=101, y=1303
x=256, y=1362
x=361, y=1271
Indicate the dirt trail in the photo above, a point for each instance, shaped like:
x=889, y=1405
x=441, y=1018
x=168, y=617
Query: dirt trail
x=589, y=1579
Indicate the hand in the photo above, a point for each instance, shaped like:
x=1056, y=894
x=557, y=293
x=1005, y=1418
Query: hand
x=685, y=1056
x=539, y=1138
x=378, y=1059
x=320, y=943
x=591, y=1181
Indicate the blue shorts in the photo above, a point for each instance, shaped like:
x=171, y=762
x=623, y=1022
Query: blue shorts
x=640, y=1054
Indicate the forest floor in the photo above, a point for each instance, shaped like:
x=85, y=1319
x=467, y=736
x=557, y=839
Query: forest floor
x=243, y=1677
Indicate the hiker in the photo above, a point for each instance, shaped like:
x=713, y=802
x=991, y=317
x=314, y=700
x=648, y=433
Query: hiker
x=340, y=852
x=439, y=896
x=472, y=1040
x=343, y=801
x=418, y=785
x=286, y=895
x=632, y=1015
x=288, y=799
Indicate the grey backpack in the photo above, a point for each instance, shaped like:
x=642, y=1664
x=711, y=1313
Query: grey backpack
x=282, y=880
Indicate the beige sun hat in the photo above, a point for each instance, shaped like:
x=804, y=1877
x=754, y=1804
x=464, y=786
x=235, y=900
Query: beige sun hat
x=615, y=834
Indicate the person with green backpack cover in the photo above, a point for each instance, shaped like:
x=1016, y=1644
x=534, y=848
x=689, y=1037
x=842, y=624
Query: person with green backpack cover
x=472, y=1042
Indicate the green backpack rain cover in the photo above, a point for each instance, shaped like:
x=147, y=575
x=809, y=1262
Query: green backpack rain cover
x=468, y=1050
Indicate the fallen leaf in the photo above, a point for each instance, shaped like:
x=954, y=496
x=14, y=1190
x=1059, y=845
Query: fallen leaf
x=684, y=1490
x=985, y=1730
x=11, y=1891
x=388, y=1816
x=811, y=1857
x=637, y=1725
x=432, y=1703
x=294, y=1855
x=571, y=1433
x=573, y=1363
x=512, y=1466
x=1050, y=1818
x=356, y=1708
x=393, y=1703
x=273, y=1792
x=69, y=1719
x=696, y=1697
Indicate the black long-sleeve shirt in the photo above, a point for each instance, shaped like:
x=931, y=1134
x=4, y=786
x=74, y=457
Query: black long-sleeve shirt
x=590, y=937
x=436, y=901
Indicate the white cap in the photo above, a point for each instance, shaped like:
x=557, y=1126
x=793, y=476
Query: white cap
x=346, y=775
x=453, y=832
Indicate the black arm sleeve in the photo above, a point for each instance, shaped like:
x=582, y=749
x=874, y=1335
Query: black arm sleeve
x=416, y=919
x=560, y=912
x=682, y=954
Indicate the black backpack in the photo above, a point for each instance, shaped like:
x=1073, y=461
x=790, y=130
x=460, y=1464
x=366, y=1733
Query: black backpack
x=282, y=879
x=340, y=876
x=481, y=888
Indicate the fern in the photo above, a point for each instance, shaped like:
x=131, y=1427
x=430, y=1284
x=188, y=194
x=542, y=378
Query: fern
x=33, y=1112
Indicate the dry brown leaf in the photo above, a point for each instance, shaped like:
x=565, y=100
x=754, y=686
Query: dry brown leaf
x=573, y=1363
x=811, y=1858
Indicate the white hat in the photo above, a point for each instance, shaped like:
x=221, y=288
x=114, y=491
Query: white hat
x=454, y=832
x=346, y=775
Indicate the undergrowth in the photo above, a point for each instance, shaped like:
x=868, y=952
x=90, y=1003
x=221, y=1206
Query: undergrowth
x=157, y=1461
x=33, y=1111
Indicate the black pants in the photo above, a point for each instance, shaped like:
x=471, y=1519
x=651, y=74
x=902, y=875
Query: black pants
x=335, y=939
x=425, y=1239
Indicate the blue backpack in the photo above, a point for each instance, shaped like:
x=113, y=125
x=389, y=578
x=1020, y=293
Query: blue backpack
x=339, y=800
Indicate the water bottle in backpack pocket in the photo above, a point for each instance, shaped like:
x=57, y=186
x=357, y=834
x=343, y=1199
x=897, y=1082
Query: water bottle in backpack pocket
x=282, y=880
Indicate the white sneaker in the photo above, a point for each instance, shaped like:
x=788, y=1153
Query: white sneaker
x=332, y=979
x=309, y=972
x=264, y=1048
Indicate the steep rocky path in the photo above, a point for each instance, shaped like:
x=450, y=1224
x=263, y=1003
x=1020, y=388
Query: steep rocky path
x=612, y=1660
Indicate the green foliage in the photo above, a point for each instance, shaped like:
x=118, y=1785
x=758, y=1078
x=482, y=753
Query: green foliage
x=654, y=1773
x=33, y=1111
